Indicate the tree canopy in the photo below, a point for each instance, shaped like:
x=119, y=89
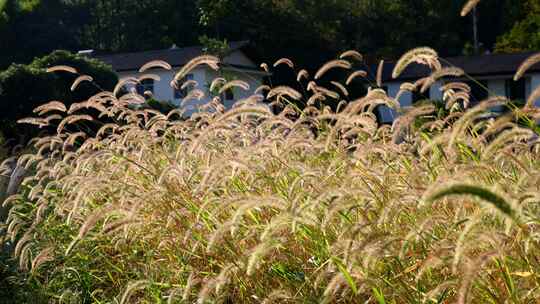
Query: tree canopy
x=308, y=31
x=525, y=33
x=24, y=87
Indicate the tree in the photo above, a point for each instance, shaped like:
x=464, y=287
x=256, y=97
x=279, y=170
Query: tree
x=35, y=28
x=525, y=34
x=24, y=87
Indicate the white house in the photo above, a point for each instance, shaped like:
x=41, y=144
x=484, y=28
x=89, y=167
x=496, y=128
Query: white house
x=492, y=71
x=236, y=65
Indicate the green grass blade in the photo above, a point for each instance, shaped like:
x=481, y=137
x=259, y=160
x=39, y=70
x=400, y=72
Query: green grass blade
x=379, y=295
x=347, y=275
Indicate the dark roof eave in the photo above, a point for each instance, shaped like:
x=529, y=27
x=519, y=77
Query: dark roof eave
x=505, y=74
x=234, y=66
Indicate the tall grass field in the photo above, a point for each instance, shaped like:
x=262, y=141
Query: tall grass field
x=319, y=203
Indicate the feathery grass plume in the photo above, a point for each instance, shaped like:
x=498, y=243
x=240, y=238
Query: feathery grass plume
x=194, y=94
x=24, y=258
x=71, y=120
x=264, y=66
x=352, y=54
x=311, y=86
x=285, y=61
x=234, y=83
x=50, y=118
x=189, y=84
x=455, y=86
x=532, y=60
x=211, y=61
x=302, y=74
x=405, y=87
x=453, y=97
x=62, y=68
x=46, y=255
x=262, y=88
x=469, y=6
x=153, y=77
x=122, y=83
x=379, y=73
x=131, y=288
x=88, y=225
x=41, y=122
x=216, y=83
x=72, y=138
x=444, y=72
x=513, y=135
x=79, y=80
x=77, y=106
x=355, y=74
x=333, y=286
x=132, y=98
x=276, y=296
x=189, y=285
x=155, y=64
x=404, y=121
x=471, y=271
x=421, y=55
x=21, y=243
x=318, y=89
x=50, y=106
x=429, y=263
x=431, y=296
x=535, y=95
x=340, y=87
x=314, y=98
x=461, y=242
x=284, y=91
x=333, y=64
x=496, y=200
x=465, y=119
x=258, y=253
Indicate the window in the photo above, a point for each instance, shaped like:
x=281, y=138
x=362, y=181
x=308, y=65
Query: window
x=182, y=93
x=418, y=96
x=145, y=85
x=228, y=95
x=515, y=90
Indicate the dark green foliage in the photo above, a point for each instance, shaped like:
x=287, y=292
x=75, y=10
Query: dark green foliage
x=309, y=32
x=525, y=33
x=24, y=87
x=161, y=106
x=15, y=288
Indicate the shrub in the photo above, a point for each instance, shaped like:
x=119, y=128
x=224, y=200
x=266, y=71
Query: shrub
x=24, y=87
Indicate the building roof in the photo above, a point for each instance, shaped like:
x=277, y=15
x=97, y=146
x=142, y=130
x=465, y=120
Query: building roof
x=479, y=65
x=174, y=56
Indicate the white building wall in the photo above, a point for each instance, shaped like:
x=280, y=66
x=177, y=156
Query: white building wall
x=387, y=114
x=204, y=77
x=253, y=79
x=497, y=87
x=435, y=92
x=405, y=100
